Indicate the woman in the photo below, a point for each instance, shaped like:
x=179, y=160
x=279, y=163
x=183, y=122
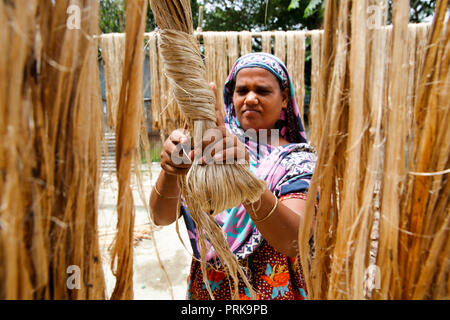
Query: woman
x=258, y=95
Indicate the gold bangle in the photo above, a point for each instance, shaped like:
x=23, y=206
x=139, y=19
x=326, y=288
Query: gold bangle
x=270, y=212
x=159, y=193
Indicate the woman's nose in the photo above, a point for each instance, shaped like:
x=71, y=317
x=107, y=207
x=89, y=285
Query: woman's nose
x=251, y=98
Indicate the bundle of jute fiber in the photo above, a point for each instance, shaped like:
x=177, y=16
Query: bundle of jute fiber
x=315, y=115
x=113, y=53
x=113, y=48
x=50, y=136
x=216, y=59
x=417, y=36
x=266, y=42
x=166, y=115
x=129, y=115
x=295, y=61
x=154, y=84
x=232, y=48
x=400, y=186
x=202, y=192
x=279, y=47
x=245, y=41
x=425, y=212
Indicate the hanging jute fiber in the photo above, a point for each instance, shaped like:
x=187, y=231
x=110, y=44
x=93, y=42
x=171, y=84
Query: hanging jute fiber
x=129, y=115
x=315, y=116
x=51, y=126
x=266, y=42
x=280, y=45
x=232, y=48
x=216, y=60
x=295, y=62
x=381, y=228
x=113, y=50
x=183, y=65
x=166, y=116
x=245, y=41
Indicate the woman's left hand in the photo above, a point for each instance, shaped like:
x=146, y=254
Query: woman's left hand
x=219, y=145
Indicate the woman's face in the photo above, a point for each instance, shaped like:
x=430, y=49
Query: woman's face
x=258, y=99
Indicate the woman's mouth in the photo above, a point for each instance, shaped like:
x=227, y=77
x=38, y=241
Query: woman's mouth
x=250, y=111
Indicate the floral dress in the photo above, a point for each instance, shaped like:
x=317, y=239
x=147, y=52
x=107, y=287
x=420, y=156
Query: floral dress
x=274, y=276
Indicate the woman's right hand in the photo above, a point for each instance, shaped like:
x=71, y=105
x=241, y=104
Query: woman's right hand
x=176, y=156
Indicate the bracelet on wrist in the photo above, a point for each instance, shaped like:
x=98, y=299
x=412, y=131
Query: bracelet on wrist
x=270, y=212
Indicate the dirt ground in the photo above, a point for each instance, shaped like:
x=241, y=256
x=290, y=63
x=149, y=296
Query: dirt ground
x=150, y=281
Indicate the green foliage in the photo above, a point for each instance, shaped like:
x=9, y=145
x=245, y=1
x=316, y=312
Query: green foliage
x=421, y=10
x=294, y=4
x=112, y=16
x=313, y=7
x=253, y=15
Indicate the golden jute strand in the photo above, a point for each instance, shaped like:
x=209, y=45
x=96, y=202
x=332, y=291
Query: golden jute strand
x=15, y=271
x=113, y=50
x=295, y=62
x=280, y=45
x=367, y=244
x=394, y=172
x=342, y=259
x=173, y=15
x=422, y=31
x=154, y=81
x=127, y=135
x=412, y=32
x=245, y=41
x=317, y=266
x=50, y=116
x=232, y=48
x=216, y=60
x=314, y=115
x=266, y=42
x=165, y=113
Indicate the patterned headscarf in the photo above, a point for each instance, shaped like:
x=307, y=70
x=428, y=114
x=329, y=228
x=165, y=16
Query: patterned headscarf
x=286, y=169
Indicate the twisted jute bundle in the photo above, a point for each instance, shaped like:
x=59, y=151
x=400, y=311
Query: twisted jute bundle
x=206, y=188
